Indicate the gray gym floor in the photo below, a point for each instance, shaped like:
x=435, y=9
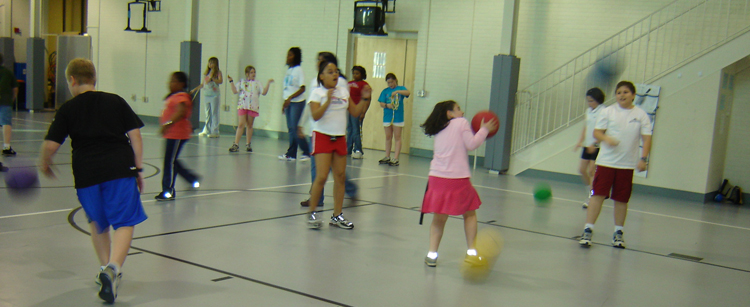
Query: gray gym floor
x=241, y=240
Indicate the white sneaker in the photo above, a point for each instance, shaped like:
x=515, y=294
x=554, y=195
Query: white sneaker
x=357, y=155
x=204, y=133
x=285, y=157
x=303, y=158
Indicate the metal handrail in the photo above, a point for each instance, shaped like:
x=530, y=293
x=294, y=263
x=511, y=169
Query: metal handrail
x=645, y=51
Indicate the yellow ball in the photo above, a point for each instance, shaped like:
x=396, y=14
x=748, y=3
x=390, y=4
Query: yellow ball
x=489, y=244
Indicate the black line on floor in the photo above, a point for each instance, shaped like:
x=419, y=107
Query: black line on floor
x=315, y=297
x=594, y=243
x=222, y=278
x=233, y=224
x=136, y=253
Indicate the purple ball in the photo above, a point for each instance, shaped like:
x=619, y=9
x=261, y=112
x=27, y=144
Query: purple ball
x=21, y=178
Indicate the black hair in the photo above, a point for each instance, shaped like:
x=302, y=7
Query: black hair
x=361, y=71
x=323, y=67
x=331, y=58
x=627, y=84
x=389, y=76
x=297, y=56
x=597, y=94
x=438, y=119
x=182, y=78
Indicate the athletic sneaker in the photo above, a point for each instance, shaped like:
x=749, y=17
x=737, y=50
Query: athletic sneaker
x=164, y=196
x=313, y=221
x=3, y=168
x=234, y=148
x=196, y=185
x=586, y=237
x=385, y=160
x=213, y=135
x=357, y=155
x=430, y=262
x=304, y=158
x=285, y=157
x=248, y=148
x=341, y=222
x=109, y=281
x=9, y=152
x=204, y=133
x=393, y=162
x=99, y=283
x=617, y=240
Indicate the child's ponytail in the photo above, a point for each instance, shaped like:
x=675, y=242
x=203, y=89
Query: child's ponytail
x=438, y=119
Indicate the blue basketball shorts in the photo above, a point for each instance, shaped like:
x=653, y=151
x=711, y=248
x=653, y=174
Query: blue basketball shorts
x=115, y=203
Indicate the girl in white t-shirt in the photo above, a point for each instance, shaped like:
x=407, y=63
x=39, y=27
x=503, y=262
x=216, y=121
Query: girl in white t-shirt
x=594, y=99
x=329, y=106
x=620, y=128
x=248, y=105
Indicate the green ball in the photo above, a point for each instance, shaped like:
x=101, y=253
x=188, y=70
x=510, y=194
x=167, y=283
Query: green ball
x=542, y=192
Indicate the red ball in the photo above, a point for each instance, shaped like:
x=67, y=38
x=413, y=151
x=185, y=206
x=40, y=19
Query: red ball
x=486, y=115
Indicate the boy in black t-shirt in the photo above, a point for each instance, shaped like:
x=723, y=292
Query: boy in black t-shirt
x=107, y=164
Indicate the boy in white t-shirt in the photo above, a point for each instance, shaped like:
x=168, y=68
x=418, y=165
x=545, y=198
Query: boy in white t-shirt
x=619, y=129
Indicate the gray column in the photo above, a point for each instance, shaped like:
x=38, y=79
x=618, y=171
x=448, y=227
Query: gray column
x=503, y=102
x=190, y=63
x=7, y=49
x=35, y=57
x=190, y=57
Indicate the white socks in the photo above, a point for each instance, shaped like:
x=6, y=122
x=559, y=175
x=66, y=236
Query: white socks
x=6, y=146
x=471, y=252
x=432, y=255
x=589, y=226
x=618, y=228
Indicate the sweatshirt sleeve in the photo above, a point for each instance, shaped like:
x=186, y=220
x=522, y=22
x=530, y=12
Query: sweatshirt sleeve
x=472, y=141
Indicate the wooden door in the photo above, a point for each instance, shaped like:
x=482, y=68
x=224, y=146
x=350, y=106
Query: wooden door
x=399, y=58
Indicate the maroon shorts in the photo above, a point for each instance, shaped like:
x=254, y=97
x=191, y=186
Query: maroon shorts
x=619, y=181
x=323, y=143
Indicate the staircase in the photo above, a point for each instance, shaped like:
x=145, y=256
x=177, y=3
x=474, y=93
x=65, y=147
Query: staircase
x=651, y=48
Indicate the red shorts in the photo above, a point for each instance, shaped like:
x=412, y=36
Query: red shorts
x=244, y=112
x=323, y=143
x=619, y=181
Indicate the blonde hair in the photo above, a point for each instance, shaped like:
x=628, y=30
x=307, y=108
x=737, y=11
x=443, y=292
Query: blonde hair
x=83, y=70
x=208, y=67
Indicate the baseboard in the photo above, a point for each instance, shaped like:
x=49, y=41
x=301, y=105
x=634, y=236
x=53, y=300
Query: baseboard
x=426, y=153
x=638, y=188
x=282, y=135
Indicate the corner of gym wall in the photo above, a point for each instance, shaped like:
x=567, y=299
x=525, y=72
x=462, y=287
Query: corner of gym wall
x=737, y=164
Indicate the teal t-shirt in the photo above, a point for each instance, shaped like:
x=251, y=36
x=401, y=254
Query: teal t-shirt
x=7, y=83
x=395, y=115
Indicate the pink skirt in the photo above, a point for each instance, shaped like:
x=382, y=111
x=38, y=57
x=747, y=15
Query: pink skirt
x=450, y=196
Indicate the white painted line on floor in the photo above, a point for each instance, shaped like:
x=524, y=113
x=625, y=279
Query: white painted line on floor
x=35, y=213
x=267, y=188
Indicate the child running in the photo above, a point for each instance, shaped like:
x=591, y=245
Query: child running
x=449, y=189
x=248, y=106
x=329, y=106
x=176, y=129
x=620, y=128
x=594, y=99
x=107, y=166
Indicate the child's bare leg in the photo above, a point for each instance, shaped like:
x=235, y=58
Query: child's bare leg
x=102, y=243
x=388, y=138
x=436, y=230
x=595, y=207
x=470, y=227
x=121, y=245
x=621, y=212
x=242, y=122
x=397, y=137
x=250, y=122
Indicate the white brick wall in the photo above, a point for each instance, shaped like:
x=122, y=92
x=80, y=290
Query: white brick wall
x=463, y=36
